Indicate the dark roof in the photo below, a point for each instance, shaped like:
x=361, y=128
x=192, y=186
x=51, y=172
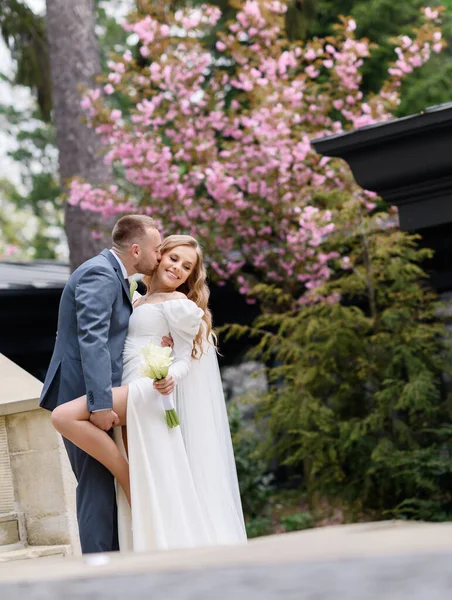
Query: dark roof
x=339, y=144
x=38, y=274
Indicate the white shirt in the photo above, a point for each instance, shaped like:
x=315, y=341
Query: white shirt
x=123, y=269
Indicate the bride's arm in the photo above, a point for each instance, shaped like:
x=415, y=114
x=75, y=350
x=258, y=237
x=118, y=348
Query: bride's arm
x=182, y=350
x=184, y=320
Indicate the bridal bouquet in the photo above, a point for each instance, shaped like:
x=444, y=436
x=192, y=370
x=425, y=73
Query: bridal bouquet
x=155, y=362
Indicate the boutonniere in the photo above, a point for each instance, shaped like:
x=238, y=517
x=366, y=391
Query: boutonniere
x=133, y=288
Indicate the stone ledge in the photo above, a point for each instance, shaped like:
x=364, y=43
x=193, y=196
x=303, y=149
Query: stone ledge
x=32, y=552
x=14, y=407
x=341, y=542
x=382, y=578
x=20, y=391
x=364, y=562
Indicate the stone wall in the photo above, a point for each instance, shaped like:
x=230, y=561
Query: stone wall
x=43, y=481
x=37, y=486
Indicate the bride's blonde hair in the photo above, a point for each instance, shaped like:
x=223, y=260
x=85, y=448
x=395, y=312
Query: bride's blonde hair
x=195, y=288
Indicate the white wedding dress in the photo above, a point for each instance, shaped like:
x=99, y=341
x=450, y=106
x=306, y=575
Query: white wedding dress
x=184, y=489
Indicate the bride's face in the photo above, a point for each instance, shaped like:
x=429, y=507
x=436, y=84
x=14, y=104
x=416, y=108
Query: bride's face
x=175, y=267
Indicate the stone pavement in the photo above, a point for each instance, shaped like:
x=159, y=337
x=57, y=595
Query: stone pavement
x=388, y=560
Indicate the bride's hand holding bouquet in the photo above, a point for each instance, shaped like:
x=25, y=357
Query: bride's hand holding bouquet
x=155, y=364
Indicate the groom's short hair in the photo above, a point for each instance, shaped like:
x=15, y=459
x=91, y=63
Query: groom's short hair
x=131, y=229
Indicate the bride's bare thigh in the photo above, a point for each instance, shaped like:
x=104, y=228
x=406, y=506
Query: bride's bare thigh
x=120, y=395
x=76, y=410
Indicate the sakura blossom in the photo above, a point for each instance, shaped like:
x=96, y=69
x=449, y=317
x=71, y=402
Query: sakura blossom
x=217, y=143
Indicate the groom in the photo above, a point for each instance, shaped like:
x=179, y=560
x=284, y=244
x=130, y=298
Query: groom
x=93, y=318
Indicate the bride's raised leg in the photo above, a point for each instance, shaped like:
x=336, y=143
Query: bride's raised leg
x=72, y=421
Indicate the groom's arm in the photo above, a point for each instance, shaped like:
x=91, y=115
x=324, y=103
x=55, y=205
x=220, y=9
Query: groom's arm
x=94, y=296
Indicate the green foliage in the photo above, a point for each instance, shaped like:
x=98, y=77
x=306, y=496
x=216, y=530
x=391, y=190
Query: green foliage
x=300, y=17
x=380, y=21
x=28, y=232
x=259, y=527
x=110, y=34
x=297, y=522
x=255, y=481
x=23, y=32
x=358, y=401
x=39, y=194
x=267, y=510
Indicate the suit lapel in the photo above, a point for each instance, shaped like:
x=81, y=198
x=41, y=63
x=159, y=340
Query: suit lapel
x=114, y=263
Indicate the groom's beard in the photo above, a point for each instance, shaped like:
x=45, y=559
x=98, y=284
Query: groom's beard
x=144, y=268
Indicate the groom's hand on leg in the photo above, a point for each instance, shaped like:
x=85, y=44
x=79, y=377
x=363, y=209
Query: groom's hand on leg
x=165, y=386
x=104, y=419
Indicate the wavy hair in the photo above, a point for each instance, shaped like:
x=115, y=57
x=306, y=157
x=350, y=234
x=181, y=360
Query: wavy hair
x=195, y=288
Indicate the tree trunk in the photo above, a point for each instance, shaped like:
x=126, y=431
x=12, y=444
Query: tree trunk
x=74, y=64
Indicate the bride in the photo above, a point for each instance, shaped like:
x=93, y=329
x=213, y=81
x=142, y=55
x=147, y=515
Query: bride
x=177, y=487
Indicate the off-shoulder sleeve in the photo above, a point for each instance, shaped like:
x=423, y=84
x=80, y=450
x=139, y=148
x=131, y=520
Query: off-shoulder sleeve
x=136, y=296
x=184, y=319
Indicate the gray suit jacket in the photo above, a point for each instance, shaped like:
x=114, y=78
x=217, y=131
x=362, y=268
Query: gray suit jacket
x=93, y=318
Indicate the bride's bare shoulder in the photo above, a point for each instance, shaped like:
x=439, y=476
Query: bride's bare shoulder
x=177, y=296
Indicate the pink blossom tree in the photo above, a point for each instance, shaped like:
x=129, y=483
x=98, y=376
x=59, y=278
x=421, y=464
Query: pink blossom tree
x=217, y=144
